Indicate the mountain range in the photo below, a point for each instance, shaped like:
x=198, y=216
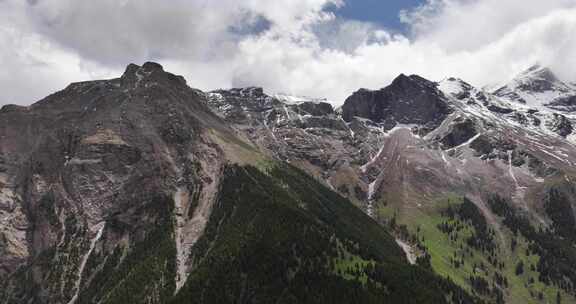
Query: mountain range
x=141, y=189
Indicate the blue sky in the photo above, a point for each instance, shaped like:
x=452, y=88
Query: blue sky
x=383, y=12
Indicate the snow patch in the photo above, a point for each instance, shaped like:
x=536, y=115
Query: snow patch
x=287, y=113
x=371, y=193
x=451, y=86
x=296, y=100
x=444, y=159
x=365, y=167
x=180, y=198
x=408, y=251
x=511, y=168
x=93, y=241
x=265, y=122
x=471, y=140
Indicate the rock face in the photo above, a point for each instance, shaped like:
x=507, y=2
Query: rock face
x=408, y=100
x=561, y=125
x=141, y=189
x=462, y=131
x=89, y=172
x=288, y=129
x=133, y=190
x=315, y=108
x=564, y=104
x=398, y=150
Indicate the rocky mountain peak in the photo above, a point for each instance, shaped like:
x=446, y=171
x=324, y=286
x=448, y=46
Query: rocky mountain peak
x=539, y=79
x=149, y=72
x=152, y=66
x=137, y=84
x=411, y=82
x=148, y=67
x=538, y=71
x=238, y=102
x=407, y=100
x=536, y=87
x=252, y=106
x=456, y=87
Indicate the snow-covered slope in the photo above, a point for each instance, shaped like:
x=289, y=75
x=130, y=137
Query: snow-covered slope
x=539, y=88
x=537, y=116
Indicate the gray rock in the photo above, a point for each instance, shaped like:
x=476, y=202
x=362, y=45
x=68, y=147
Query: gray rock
x=408, y=100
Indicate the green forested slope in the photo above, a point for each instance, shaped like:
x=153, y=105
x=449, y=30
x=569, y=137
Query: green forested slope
x=282, y=237
x=273, y=237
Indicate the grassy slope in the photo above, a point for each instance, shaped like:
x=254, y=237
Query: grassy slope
x=423, y=222
x=282, y=237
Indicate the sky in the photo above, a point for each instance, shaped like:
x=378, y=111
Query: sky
x=317, y=48
x=385, y=13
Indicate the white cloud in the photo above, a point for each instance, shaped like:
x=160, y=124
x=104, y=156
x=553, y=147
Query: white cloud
x=291, y=46
x=309, y=69
x=459, y=25
x=32, y=65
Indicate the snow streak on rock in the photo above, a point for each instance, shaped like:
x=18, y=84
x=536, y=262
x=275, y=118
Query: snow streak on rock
x=93, y=242
x=408, y=251
x=180, y=199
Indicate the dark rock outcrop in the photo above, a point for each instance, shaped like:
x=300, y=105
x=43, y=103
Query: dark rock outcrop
x=501, y=110
x=150, y=71
x=408, y=100
x=315, y=108
x=459, y=133
x=561, y=125
x=483, y=146
x=564, y=104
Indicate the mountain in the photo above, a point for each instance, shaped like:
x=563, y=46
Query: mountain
x=134, y=190
x=143, y=190
x=408, y=100
x=539, y=87
x=478, y=181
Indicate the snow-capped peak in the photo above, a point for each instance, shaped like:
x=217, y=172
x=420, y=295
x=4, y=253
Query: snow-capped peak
x=538, y=71
x=454, y=86
x=536, y=87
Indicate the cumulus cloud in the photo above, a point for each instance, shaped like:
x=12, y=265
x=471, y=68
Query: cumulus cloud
x=292, y=46
x=468, y=25
x=431, y=51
